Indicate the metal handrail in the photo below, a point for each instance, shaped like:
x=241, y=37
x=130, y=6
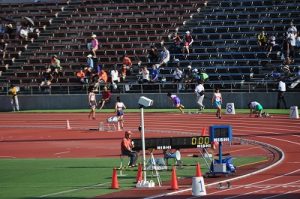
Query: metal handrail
x=134, y=87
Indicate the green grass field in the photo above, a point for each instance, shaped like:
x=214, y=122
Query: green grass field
x=78, y=178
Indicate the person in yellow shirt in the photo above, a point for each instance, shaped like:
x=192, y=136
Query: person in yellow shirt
x=13, y=92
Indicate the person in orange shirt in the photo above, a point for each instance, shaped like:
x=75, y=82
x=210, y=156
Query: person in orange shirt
x=81, y=76
x=102, y=76
x=126, y=149
x=126, y=67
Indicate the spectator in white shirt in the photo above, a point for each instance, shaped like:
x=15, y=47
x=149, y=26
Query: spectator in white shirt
x=280, y=96
x=164, y=56
x=177, y=75
x=114, y=78
x=145, y=74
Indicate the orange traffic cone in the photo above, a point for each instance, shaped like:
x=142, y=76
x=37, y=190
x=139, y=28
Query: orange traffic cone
x=203, y=132
x=114, y=183
x=139, y=175
x=198, y=170
x=174, y=183
x=68, y=125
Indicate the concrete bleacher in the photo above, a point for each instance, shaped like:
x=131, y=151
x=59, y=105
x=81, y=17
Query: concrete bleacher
x=224, y=32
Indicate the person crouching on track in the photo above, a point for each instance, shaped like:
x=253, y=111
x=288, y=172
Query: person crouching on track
x=126, y=149
x=119, y=107
x=176, y=102
x=92, y=102
x=256, y=108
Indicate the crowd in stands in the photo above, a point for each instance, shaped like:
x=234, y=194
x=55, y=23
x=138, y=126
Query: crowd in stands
x=11, y=33
x=287, y=52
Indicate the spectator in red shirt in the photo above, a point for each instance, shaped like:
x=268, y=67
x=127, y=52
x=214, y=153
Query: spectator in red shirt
x=126, y=149
x=106, y=95
x=188, y=40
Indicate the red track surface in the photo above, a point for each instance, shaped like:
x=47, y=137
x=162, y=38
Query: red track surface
x=45, y=135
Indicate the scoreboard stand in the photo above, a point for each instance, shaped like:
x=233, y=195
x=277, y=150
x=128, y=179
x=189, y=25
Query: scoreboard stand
x=220, y=134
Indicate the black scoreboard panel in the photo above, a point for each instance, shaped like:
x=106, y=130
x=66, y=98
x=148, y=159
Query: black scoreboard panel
x=173, y=143
x=221, y=133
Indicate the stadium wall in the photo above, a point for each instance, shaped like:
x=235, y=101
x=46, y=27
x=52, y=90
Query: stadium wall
x=48, y=102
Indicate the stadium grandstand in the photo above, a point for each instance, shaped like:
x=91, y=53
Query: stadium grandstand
x=226, y=45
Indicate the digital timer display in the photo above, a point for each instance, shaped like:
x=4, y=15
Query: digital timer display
x=173, y=143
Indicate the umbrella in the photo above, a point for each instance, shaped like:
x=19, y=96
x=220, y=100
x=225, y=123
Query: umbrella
x=29, y=20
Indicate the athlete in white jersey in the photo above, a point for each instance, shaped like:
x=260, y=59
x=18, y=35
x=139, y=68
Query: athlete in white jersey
x=217, y=102
x=92, y=102
x=119, y=107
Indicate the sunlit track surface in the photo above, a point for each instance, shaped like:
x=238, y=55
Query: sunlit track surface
x=83, y=139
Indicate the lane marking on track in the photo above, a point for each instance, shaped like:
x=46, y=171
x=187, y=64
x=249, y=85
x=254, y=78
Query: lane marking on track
x=63, y=152
x=293, y=162
x=296, y=143
x=72, y=190
x=265, y=189
x=3, y=156
x=278, y=195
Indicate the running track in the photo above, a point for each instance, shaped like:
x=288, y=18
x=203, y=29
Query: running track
x=21, y=135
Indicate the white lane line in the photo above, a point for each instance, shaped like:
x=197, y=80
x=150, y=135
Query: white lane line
x=63, y=152
x=278, y=195
x=3, y=156
x=291, y=142
x=293, y=162
x=260, y=190
x=72, y=190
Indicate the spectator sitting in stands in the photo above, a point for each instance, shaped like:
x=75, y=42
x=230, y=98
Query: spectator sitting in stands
x=101, y=78
x=24, y=34
x=188, y=77
x=115, y=79
x=3, y=45
x=262, y=39
x=177, y=77
x=188, y=40
x=81, y=76
x=291, y=38
x=292, y=29
x=271, y=44
x=145, y=74
x=127, y=64
x=94, y=45
x=154, y=74
x=176, y=46
x=152, y=55
x=90, y=62
x=46, y=78
x=9, y=30
x=164, y=57
x=55, y=67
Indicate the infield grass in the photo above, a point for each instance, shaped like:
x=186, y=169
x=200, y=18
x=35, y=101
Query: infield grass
x=79, y=178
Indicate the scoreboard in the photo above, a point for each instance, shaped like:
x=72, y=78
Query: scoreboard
x=173, y=143
x=220, y=133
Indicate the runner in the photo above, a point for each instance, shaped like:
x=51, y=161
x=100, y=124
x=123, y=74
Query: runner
x=92, y=102
x=217, y=102
x=199, y=90
x=176, y=102
x=119, y=107
x=256, y=108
